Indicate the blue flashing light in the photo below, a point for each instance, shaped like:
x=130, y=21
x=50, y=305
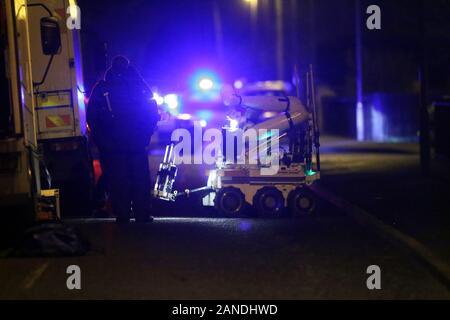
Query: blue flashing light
x=205, y=85
x=205, y=115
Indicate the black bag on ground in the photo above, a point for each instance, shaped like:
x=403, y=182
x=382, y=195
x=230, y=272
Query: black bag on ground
x=51, y=240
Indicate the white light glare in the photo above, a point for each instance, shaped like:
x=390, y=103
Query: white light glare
x=184, y=116
x=159, y=100
x=234, y=124
x=268, y=114
x=171, y=100
x=206, y=84
x=238, y=84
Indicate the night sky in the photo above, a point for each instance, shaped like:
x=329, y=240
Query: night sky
x=169, y=40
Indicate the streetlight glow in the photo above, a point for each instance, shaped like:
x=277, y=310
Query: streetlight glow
x=253, y=3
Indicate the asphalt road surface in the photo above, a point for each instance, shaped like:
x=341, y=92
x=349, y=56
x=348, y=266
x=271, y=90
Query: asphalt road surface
x=187, y=253
x=203, y=258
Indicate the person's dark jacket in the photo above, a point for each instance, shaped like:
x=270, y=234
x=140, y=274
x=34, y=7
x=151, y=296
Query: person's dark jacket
x=128, y=121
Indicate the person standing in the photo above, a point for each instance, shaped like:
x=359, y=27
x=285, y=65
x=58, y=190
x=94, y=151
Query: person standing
x=122, y=117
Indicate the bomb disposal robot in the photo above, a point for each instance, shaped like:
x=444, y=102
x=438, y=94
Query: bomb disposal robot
x=232, y=187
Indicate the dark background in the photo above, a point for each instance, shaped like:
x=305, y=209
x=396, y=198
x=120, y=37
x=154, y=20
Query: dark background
x=169, y=40
x=166, y=39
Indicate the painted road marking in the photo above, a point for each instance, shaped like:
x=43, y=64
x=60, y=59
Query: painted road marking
x=435, y=264
x=31, y=278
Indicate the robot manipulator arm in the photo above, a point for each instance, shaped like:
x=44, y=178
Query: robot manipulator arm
x=291, y=110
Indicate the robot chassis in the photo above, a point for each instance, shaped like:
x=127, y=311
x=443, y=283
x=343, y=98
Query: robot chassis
x=233, y=188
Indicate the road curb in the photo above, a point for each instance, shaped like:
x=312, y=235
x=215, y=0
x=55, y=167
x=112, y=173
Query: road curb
x=435, y=264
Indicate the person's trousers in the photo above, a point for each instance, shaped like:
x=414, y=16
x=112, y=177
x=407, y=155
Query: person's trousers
x=128, y=180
